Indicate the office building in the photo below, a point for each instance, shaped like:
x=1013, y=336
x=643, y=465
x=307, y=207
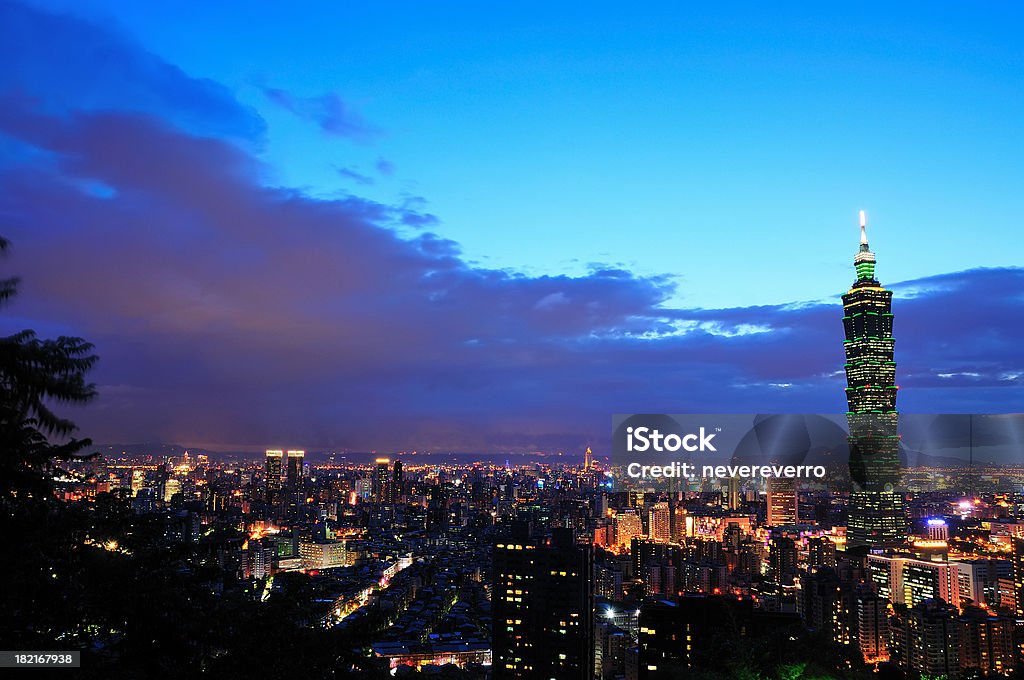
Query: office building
x=783, y=506
x=296, y=462
x=380, y=480
x=272, y=472
x=876, y=514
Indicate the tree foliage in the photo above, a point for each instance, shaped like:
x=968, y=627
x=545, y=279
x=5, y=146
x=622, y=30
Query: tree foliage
x=36, y=375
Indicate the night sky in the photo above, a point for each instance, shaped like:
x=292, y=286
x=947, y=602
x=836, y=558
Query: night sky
x=446, y=226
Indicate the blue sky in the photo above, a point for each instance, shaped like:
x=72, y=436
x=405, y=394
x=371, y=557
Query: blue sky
x=677, y=139
x=614, y=186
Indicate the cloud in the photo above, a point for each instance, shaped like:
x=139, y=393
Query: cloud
x=63, y=63
x=329, y=112
x=231, y=313
x=355, y=176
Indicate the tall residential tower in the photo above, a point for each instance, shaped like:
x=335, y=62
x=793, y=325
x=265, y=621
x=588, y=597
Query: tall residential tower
x=876, y=517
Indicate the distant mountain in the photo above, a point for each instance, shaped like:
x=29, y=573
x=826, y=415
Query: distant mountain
x=910, y=458
x=162, y=449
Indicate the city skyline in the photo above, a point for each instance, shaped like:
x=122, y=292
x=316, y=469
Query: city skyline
x=237, y=298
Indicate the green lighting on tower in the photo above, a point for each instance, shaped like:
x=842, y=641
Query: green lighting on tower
x=876, y=517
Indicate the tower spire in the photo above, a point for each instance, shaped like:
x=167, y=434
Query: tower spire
x=864, y=262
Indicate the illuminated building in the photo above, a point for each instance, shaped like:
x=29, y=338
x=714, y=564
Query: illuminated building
x=171, y=487
x=906, y=580
x=364, y=489
x=871, y=621
x=926, y=638
x=380, y=481
x=733, y=498
x=627, y=527
x=659, y=522
x=542, y=604
x=824, y=604
x=138, y=481
x=978, y=579
x=938, y=530
x=273, y=474
x=259, y=556
x=986, y=642
x=782, y=556
x=323, y=554
x=397, y=480
x=876, y=515
x=782, y=502
x=608, y=583
x=1018, y=575
x=821, y=552
x=417, y=655
x=296, y=459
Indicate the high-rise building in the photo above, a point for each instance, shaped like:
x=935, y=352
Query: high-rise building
x=272, y=472
x=907, y=580
x=1018, y=575
x=138, y=481
x=171, y=487
x=397, y=481
x=821, y=552
x=258, y=559
x=733, y=498
x=543, y=607
x=782, y=556
x=876, y=515
x=627, y=527
x=659, y=522
x=380, y=481
x=296, y=460
x=871, y=624
x=926, y=638
x=824, y=603
x=782, y=502
x=986, y=642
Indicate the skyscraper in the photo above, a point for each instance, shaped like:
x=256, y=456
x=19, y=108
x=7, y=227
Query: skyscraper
x=273, y=474
x=783, y=506
x=296, y=459
x=1018, y=576
x=543, y=603
x=876, y=516
x=380, y=481
x=733, y=498
x=658, y=522
x=397, y=482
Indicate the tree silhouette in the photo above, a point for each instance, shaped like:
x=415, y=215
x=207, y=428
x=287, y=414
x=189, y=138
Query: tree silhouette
x=35, y=374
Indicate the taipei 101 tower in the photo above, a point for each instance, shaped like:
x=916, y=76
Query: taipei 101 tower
x=876, y=516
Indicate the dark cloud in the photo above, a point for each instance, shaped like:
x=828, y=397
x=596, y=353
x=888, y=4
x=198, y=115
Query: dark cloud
x=332, y=114
x=385, y=167
x=232, y=313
